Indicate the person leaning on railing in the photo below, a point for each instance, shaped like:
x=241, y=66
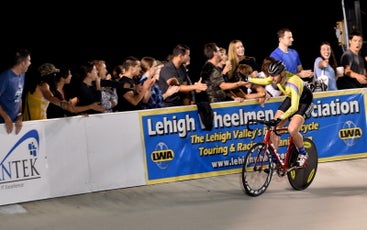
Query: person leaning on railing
x=11, y=90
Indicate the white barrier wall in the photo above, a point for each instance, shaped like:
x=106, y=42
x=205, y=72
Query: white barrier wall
x=75, y=155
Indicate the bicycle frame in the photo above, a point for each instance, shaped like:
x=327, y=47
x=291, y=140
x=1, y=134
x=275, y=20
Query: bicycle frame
x=282, y=162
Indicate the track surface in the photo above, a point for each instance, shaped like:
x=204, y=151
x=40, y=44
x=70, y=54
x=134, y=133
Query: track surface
x=337, y=199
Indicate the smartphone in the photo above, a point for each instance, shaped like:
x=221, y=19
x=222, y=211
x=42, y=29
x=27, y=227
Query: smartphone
x=143, y=79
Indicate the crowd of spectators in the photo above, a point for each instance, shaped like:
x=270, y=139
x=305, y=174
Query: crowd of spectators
x=55, y=91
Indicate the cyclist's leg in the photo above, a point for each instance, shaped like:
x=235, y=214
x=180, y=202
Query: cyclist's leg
x=298, y=118
x=282, y=108
x=294, y=128
x=297, y=122
x=275, y=138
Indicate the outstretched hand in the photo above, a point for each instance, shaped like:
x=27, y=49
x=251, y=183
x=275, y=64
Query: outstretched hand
x=98, y=107
x=199, y=86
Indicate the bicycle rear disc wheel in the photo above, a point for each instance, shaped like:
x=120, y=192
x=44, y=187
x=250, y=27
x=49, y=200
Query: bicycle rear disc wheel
x=301, y=178
x=256, y=170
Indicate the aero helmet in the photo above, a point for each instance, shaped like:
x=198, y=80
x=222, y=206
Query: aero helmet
x=276, y=67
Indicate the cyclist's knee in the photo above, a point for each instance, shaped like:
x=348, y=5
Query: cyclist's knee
x=292, y=130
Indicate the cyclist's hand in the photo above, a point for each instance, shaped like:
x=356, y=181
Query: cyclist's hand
x=274, y=122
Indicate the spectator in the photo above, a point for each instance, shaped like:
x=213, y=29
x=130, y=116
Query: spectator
x=117, y=72
x=353, y=63
x=11, y=90
x=87, y=89
x=225, y=65
x=150, y=64
x=236, y=55
x=109, y=98
x=132, y=95
x=251, y=90
x=188, y=98
x=60, y=90
x=174, y=73
x=289, y=56
x=325, y=65
x=212, y=76
x=39, y=96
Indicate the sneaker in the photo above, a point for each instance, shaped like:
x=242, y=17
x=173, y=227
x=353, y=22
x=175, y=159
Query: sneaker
x=301, y=159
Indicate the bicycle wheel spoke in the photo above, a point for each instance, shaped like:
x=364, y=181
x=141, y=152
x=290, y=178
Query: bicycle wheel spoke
x=256, y=171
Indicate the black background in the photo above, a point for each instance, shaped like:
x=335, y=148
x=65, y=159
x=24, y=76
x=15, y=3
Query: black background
x=63, y=33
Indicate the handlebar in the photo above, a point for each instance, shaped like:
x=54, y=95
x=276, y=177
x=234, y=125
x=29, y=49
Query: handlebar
x=267, y=123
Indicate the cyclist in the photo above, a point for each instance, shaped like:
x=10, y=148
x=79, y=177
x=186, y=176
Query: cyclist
x=297, y=106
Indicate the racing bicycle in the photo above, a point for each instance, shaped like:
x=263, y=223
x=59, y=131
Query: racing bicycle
x=262, y=160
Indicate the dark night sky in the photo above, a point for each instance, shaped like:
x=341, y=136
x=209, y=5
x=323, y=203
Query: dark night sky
x=70, y=34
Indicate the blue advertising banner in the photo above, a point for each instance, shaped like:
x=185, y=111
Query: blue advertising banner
x=177, y=147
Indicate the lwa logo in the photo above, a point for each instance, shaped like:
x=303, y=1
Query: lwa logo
x=350, y=133
x=20, y=163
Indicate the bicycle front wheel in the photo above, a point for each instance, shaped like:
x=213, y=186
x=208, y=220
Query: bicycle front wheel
x=301, y=178
x=256, y=170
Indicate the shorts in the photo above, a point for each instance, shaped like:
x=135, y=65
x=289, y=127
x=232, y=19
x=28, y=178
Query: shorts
x=305, y=104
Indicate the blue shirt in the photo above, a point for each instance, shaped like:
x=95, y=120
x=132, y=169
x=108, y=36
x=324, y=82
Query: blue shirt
x=11, y=89
x=156, y=98
x=290, y=59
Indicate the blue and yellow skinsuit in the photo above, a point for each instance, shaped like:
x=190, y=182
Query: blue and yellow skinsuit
x=298, y=95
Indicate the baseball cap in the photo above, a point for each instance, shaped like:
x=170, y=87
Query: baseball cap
x=47, y=69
